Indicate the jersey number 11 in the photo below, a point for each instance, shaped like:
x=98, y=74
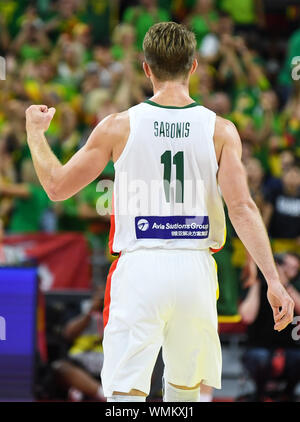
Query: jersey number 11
x=166, y=160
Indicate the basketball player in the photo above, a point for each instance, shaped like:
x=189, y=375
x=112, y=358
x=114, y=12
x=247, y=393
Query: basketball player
x=171, y=156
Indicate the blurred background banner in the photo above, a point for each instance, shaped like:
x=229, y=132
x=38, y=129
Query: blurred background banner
x=62, y=259
x=18, y=302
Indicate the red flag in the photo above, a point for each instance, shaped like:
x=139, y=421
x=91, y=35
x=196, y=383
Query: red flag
x=62, y=259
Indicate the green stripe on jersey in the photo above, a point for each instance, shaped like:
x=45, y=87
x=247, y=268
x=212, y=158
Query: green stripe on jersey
x=162, y=106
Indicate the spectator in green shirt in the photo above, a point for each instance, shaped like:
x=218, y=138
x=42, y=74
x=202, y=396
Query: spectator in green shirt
x=124, y=42
x=203, y=19
x=30, y=201
x=144, y=16
x=245, y=12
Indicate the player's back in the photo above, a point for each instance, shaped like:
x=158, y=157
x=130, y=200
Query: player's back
x=166, y=193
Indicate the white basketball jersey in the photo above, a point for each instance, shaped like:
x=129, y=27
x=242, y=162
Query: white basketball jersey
x=165, y=191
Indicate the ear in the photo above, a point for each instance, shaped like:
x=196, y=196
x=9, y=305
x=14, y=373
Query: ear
x=194, y=66
x=146, y=69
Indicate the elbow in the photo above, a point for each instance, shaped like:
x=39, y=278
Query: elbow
x=55, y=186
x=53, y=193
x=242, y=207
x=52, y=197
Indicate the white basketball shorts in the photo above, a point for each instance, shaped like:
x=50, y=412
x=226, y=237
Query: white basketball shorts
x=160, y=298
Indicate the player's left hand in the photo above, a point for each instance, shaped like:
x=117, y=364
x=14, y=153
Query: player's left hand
x=282, y=305
x=38, y=117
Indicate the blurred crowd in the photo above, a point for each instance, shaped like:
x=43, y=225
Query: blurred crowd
x=84, y=57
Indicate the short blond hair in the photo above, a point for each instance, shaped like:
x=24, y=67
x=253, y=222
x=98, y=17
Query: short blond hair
x=169, y=50
x=122, y=30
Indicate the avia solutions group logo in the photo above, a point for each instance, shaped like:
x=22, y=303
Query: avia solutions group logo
x=2, y=328
x=143, y=224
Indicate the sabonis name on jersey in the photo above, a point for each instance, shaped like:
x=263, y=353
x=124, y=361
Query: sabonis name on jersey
x=171, y=130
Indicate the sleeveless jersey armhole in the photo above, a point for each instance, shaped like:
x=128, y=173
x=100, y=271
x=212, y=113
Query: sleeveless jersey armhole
x=129, y=139
x=211, y=132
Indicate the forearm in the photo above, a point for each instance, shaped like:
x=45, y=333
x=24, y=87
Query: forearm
x=45, y=162
x=63, y=181
x=223, y=70
x=19, y=190
x=19, y=40
x=236, y=68
x=75, y=327
x=248, y=309
x=250, y=228
x=252, y=70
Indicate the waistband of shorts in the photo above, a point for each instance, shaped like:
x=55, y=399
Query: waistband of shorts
x=165, y=250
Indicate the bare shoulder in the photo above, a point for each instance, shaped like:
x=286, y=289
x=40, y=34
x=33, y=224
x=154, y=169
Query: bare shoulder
x=225, y=129
x=226, y=134
x=112, y=128
x=113, y=132
x=115, y=124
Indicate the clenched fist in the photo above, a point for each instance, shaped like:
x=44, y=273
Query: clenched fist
x=38, y=117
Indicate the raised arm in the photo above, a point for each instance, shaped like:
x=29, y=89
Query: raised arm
x=63, y=181
x=246, y=218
